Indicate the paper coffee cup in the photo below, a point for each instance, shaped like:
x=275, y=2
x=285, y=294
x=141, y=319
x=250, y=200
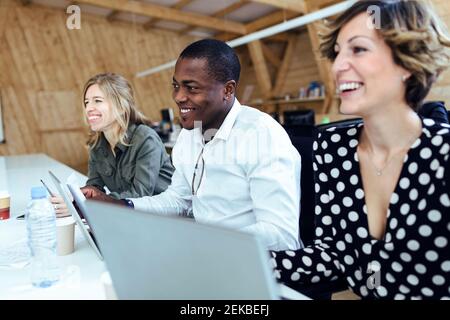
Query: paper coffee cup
x=4, y=205
x=65, y=235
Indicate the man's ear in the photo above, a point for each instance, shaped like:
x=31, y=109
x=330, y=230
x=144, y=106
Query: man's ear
x=230, y=89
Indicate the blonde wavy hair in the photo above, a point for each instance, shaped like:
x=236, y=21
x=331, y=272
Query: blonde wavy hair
x=418, y=39
x=119, y=94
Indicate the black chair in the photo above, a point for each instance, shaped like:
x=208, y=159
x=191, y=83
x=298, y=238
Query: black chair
x=299, y=118
x=302, y=138
x=435, y=110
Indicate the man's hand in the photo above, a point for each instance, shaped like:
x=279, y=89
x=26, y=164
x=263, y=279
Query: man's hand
x=91, y=192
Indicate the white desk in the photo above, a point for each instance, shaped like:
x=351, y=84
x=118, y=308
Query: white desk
x=81, y=270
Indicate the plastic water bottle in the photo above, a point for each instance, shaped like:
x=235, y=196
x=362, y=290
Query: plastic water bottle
x=41, y=227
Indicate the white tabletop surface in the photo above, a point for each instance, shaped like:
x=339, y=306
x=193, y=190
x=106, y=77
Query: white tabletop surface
x=80, y=271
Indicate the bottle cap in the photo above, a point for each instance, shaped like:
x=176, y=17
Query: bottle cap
x=38, y=192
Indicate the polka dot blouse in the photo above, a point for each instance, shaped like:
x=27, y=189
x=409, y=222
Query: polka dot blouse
x=412, y=261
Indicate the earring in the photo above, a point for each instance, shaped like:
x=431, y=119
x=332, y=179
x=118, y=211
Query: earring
x=404, y=77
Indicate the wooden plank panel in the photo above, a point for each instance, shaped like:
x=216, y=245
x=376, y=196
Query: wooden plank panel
x=161, y=12
x=302, y=70
x=264, y=22
x=179, y=5
x=5, y=15
x=19, y=123
x=25, y=73
x=222, y=13
x=294, y=5
x=28, y=68
x=36, y=50
x=39, y=56
x=68, y=147
x=53, y=104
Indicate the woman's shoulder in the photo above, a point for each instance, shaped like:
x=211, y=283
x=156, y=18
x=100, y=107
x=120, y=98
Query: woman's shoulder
x=144, y=137
x=435, y=140
x=437, y=135
x=144, y=132
x=336, y=131
x=433, y=128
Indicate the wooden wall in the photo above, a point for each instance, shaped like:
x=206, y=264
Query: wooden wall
x=44, y=65
x=441, y=90
x=304, y=69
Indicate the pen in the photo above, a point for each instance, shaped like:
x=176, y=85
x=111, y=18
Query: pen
x=49, y=191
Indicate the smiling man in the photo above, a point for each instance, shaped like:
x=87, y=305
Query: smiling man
x=234, y=165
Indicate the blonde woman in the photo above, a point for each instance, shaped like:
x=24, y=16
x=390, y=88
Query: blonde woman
x=125, y=155
x=382, y=205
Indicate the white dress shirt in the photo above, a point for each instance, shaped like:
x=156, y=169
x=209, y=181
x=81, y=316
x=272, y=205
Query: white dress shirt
x=250, y=182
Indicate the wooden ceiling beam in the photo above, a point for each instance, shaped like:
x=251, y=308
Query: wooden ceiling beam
x=294, y=5
x=165, y=13
x=285, y=65
x=261, y=23
x=231, y=8
x=270, y=20
x=179, y=5
x=222, y=13
x=260, y=67
x=270, y=55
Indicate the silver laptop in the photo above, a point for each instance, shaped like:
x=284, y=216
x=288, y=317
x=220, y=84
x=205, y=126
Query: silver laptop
x=157, y=257
x=79, y=199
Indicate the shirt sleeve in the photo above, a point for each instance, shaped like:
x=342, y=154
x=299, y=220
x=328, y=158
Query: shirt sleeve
x=317, y=262
x=176, y=200
x=274, y=183
x=149, y=156
x=94, y=178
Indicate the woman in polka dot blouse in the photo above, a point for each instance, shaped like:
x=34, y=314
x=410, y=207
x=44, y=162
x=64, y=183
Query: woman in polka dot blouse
x=382, y=187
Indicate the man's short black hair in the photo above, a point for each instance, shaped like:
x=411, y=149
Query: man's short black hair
x=223, y=63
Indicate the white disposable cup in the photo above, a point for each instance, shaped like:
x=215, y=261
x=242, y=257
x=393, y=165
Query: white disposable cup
x=65, y=235
x=110, y=293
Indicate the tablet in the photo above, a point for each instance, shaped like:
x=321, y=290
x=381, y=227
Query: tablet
x=79, y=200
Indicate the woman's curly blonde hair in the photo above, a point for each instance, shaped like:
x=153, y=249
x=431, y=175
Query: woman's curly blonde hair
x=417, y=37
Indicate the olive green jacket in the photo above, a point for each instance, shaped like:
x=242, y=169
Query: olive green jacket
x=141, y=169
